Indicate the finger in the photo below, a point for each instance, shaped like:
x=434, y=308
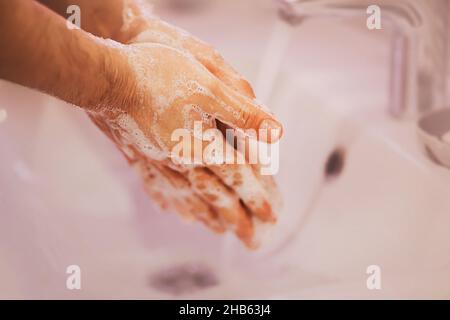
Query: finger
x=270, y=186
x=217, y=65
x=243, y=181
x=186, y=198
x=237, y=176
x=239, y=112
x=172, y=190
x=247, y=146
x=225, y=203
x=153, y=185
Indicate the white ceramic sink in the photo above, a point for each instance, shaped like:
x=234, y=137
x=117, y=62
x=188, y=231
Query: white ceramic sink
x=68, y=197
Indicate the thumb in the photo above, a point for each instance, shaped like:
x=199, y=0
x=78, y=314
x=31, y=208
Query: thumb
x=240, y=112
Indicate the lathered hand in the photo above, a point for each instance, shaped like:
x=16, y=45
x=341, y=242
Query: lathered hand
x=149, y=81
x=166, y=89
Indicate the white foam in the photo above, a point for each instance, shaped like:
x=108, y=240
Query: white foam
x=134, y=135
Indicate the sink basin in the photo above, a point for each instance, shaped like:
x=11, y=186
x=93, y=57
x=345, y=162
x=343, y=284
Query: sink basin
x=68, y=197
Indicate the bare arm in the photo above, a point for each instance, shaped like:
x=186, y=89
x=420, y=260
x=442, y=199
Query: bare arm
x=127, y=21
x=120, y=20
x=39, y=51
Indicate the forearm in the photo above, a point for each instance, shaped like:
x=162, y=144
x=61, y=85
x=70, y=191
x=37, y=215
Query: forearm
x=124, y=20
x=120, y=20
x=39, y=51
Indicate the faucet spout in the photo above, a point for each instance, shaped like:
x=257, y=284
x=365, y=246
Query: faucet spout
x=418, y=45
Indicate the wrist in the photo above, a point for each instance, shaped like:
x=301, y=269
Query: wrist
x=111, y=78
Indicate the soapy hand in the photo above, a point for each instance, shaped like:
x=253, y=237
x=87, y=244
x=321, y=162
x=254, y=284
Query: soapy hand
x=154, y=30
x=148, y=82
x=169, y=89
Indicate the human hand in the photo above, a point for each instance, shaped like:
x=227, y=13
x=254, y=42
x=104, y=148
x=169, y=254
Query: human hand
x=167, y=89
x=135, y=93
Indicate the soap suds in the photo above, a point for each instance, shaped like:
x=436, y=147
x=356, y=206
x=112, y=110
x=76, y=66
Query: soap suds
x=133, y=135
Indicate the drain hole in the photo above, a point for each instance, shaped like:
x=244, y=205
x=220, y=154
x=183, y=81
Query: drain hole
x=335, y=163
x=183, y=279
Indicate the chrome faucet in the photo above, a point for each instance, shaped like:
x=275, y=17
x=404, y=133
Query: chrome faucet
x=418, y=50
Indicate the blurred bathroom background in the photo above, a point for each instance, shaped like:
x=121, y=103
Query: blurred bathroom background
x=361, y=186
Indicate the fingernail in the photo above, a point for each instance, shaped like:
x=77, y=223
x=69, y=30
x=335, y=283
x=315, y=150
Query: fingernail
x=273, y=130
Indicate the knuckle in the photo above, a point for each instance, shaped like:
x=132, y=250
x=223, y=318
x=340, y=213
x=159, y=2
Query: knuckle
x=246, y=118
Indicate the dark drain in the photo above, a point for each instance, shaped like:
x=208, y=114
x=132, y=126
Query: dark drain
x=335, y=163
x=183, y=279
